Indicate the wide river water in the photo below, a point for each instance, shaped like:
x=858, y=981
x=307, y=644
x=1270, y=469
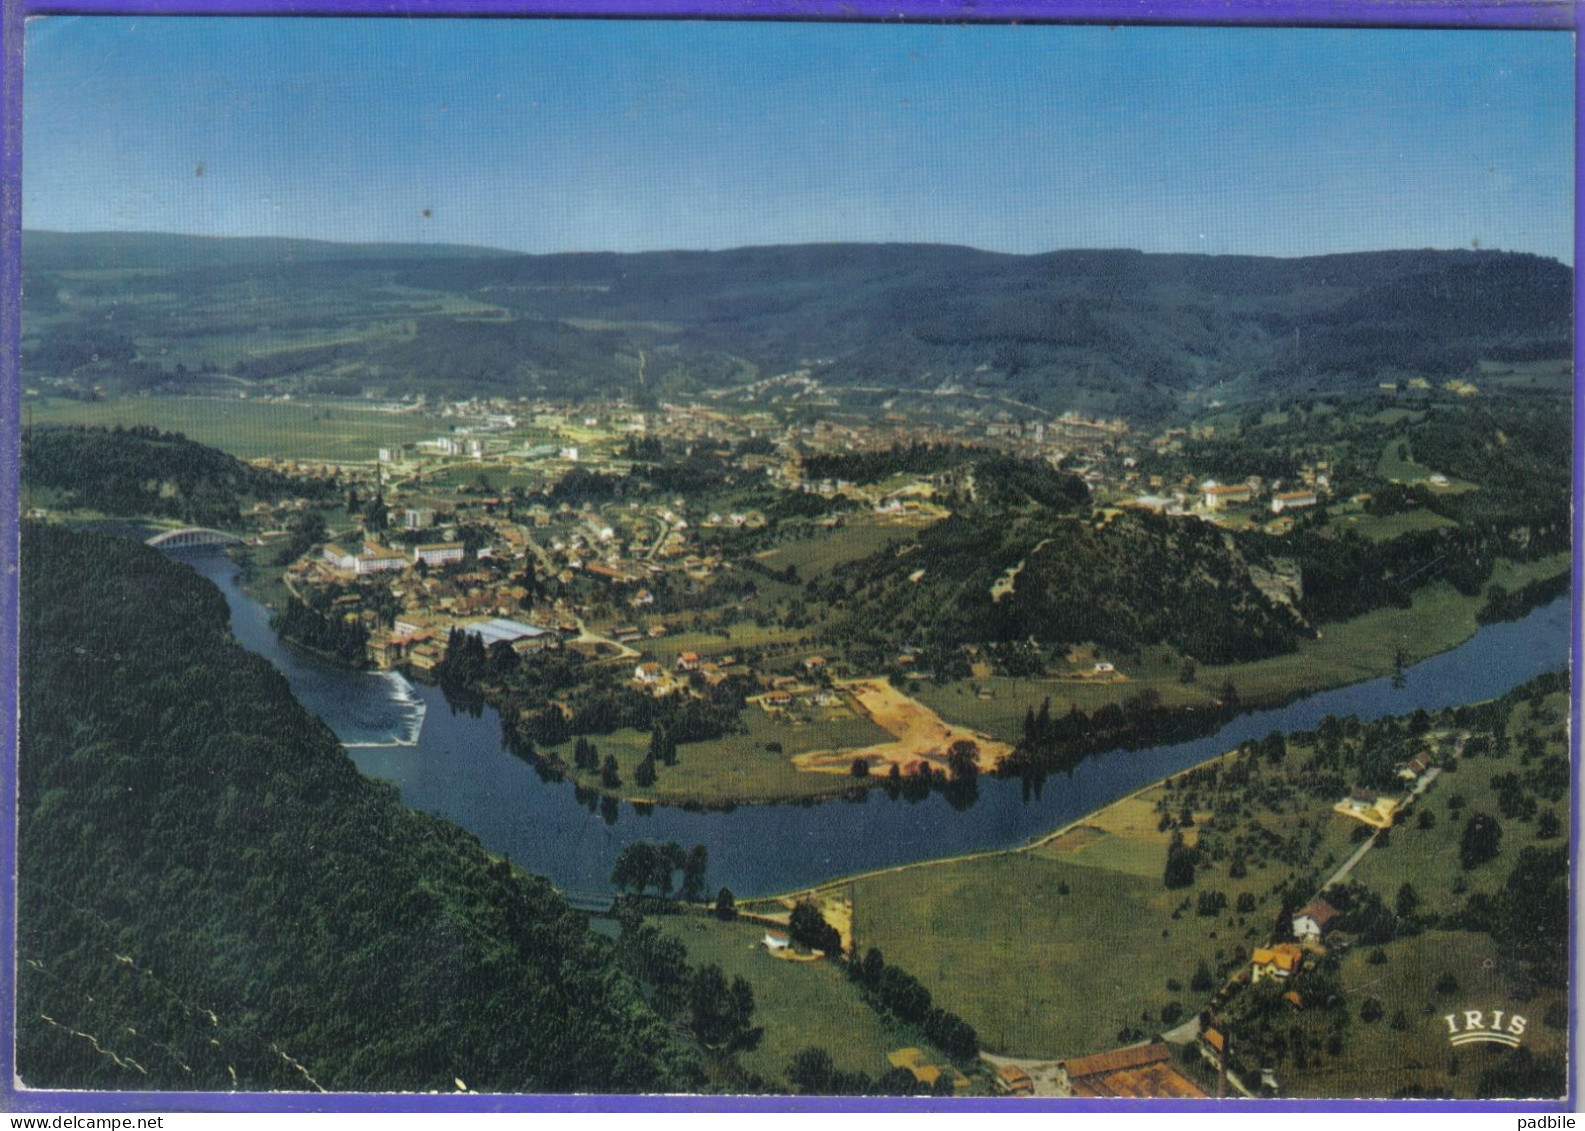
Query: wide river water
x=453, y=764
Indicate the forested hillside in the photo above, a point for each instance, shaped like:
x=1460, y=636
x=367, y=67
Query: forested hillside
x=143, y=471
x=212, y=897
x=1099, y=331
x=1005, y=576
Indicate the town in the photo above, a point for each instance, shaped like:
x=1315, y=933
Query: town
x=961, y=564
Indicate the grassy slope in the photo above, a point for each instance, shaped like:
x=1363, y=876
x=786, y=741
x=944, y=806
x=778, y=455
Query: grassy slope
x=1378, y=1060
x=798, y=1004
x=731, y=769
x=1040, y=973
x=1400, y=470
x=250, y=429
x=1440, y=618
x=1045, y=974
x=826, y=548
x=1428, y=859
x=1384, y=528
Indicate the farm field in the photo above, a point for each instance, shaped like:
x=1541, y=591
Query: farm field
x=1045, y=950
x=799, y=1004
x=820, y=550
x=1381, y=1057
x=806, y=752
x=1399, y=467
x=1383, y=528
x=918, y=733
x=737, y=768
x=1368, y=646
x=737, y=635
x=1428, y=858
x=1556, y=375
x=1044, y=957
x=1054, y=951
x=302, y=430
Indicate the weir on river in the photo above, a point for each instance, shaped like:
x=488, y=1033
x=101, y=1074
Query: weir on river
x=454, y=765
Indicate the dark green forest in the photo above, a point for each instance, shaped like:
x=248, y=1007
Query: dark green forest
x=143, y=471
x=1111, y=332
x=212, y=897
x=1138, y=579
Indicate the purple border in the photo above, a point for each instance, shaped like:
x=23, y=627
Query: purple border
x=1506, y=14
x=1532, y=14
x=10, y=478
x=1578, y=652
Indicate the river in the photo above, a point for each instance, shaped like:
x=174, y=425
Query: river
x=452, y=764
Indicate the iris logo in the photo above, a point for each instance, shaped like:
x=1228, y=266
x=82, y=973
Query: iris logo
x=1494, y=1027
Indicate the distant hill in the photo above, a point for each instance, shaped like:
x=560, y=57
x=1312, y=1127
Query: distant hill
x=1106, y=331
x=110, y=251
x=211, y=897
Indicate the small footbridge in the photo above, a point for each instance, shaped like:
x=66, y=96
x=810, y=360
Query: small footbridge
x=191, y=536
x=595, y=902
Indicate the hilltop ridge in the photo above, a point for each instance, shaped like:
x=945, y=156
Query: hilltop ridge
x=1101, y=331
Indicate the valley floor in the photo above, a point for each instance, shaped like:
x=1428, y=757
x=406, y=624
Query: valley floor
x=1074, y=945
x=781, y=759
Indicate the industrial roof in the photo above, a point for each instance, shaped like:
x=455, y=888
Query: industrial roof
x=500, y=628
x=1117, y=1060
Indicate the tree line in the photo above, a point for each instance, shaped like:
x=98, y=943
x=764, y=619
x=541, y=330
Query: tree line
x=211, y=888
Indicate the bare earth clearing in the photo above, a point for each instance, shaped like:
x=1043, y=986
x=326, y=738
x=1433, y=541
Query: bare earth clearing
x=921, y=734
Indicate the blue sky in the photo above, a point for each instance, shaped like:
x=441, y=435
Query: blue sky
x=632, y=135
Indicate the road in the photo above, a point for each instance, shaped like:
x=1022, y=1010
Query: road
x=660, y=540
x=1190, y=1029
x=623, y=652
x=1408, y=799
x=541, y=556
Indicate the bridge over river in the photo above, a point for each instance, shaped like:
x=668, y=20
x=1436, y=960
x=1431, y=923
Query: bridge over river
x=191, y=536
x=598, y=902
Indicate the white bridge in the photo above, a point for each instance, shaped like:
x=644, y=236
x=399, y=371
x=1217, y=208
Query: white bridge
x=191, y=536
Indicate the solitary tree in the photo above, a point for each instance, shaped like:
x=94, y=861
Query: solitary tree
x=873, y=966
x=693, y=871
x=636, y=866
x=1408, y=901
x=963, y=759
x=811, y=1071
x=1480, y=842
x=719, y=1013
x=1282, y=929
x=1180, y=863
x=809, y=927
x=1274, y=747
